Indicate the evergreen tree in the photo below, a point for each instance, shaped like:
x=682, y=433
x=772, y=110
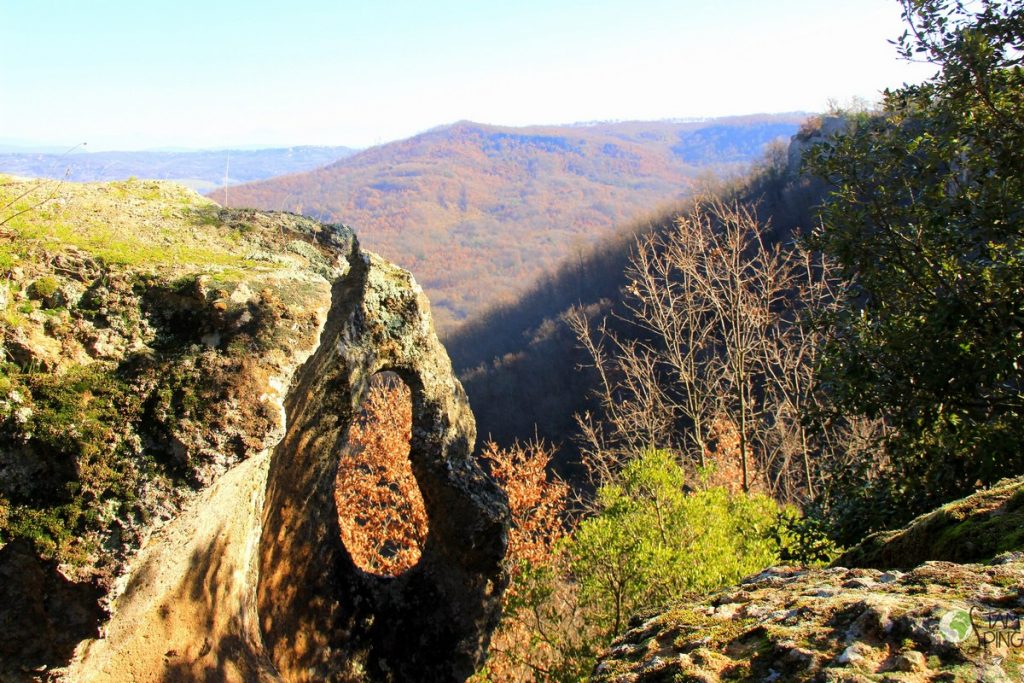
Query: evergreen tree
x=927, y=218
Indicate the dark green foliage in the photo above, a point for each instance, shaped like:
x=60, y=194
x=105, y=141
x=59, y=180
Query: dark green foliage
x=927, y=216
x=802, y=540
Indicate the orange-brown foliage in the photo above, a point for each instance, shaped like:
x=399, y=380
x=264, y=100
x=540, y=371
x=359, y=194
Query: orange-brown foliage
x=380, y=508
x=383, y=520
x=536, y=501
x=520, y=646
x=725, y=466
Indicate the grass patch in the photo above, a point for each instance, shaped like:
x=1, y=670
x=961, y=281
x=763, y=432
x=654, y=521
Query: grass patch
x=129, y=223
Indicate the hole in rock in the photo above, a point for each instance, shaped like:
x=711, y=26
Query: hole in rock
x=380, y=508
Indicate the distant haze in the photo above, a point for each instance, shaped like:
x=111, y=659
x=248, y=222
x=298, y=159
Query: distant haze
x=193, y=74
x=200, y=170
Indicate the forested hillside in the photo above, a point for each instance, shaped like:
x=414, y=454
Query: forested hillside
x=522, y=364
x=478, y=211
x=850, y=346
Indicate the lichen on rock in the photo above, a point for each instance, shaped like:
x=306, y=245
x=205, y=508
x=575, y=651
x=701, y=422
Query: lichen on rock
x=935, y=621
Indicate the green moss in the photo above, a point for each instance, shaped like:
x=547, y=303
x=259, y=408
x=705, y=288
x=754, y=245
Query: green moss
x=44, y=287
x=685, y=623
x=974, y=529
x=50, y=530
x=180, y=395
x=7, y=259
x=73, y=459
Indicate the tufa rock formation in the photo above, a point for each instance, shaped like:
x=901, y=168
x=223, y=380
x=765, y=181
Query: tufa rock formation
x=320, y=615
x=177, y=384
x=939, y=621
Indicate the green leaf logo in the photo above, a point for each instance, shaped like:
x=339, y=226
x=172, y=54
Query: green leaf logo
x=955, y=625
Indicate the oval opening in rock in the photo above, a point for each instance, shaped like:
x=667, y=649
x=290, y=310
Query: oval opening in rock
x=380, y=508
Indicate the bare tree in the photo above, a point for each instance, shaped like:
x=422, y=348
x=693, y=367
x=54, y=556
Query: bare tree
x=720, y=344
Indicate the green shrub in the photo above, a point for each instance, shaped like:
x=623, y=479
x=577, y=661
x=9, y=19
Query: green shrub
x=653, y=543
x=803, y=540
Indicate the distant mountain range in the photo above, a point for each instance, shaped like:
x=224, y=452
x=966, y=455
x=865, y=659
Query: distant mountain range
x=478, y=212
x=201, y=170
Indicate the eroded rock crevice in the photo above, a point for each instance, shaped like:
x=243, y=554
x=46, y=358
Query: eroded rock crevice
x=252, y=582
x=321, y=616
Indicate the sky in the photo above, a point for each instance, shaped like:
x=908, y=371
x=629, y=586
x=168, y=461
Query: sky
x=158, y=74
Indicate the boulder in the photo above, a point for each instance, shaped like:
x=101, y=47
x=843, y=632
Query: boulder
x=940, y=600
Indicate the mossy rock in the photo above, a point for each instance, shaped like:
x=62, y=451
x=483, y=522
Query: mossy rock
x=863, y=619
x=974, y=529
x=146, y=353
x=816, y=625
x=43, y=288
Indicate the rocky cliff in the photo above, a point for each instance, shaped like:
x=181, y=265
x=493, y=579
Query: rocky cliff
x=175, y=391
x=913, y=616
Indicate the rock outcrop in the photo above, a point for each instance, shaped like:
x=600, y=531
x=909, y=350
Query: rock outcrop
x=937, y=621
x=178, y=381
x=320, y=614
x=815, y=130
x=974, y=529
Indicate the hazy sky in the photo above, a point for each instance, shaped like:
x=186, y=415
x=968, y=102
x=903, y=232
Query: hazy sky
x=137, y=74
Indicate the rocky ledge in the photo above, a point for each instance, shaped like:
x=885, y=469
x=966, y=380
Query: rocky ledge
x=938, y=621
x=176, y=385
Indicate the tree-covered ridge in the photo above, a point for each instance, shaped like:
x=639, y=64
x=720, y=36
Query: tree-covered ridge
x=478, y=212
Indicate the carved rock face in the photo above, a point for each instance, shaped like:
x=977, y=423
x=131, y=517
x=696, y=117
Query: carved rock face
x=321, y=617
x=237, y=570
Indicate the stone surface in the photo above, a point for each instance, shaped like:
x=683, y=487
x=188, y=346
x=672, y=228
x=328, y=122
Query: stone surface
x=857, y=624
x=37, y=632
x=825, y=127
x=976, y=528
x=787, y=629
x=208, y=363
x=431, y=622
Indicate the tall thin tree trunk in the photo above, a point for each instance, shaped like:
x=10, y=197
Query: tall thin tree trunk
x=807, y=462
